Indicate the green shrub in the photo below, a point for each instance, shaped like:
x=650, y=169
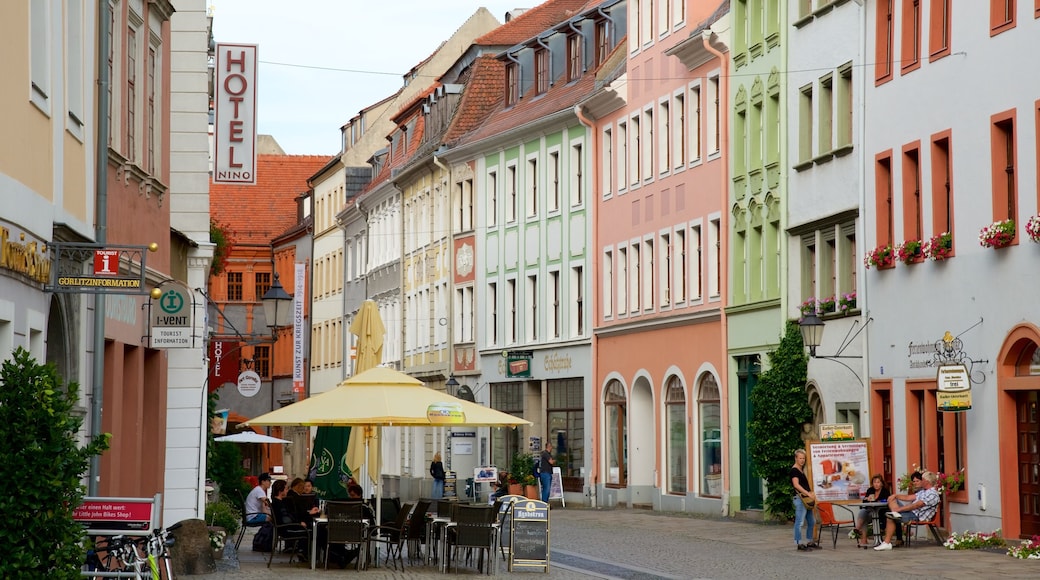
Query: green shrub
x=38, y=537
x=223, y=514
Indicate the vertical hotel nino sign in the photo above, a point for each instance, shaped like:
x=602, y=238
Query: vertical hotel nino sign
x=234, y=132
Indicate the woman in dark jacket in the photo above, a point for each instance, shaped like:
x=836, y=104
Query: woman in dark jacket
x=878, y=492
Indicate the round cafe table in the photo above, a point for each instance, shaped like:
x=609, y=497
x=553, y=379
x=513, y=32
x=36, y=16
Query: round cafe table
x=874, y=507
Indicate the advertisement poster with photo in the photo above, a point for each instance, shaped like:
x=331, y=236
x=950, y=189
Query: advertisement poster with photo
x=840, y=471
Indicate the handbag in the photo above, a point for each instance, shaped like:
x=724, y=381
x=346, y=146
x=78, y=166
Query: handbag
x=808, y=501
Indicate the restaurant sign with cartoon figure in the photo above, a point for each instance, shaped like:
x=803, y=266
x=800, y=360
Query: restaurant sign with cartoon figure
x=840, y=471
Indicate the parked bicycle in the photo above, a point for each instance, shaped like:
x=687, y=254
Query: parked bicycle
x=142, y=558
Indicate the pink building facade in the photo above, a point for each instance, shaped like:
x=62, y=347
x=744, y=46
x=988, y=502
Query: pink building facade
x=660, y=267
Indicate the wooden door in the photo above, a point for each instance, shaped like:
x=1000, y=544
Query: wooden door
x=1028, y=461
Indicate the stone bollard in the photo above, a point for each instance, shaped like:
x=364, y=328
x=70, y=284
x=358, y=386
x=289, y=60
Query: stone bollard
x=191, y=553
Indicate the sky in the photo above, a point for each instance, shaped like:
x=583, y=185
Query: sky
x=322, y=61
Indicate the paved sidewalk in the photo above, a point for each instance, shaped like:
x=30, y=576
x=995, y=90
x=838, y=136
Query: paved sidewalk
x=646, y=545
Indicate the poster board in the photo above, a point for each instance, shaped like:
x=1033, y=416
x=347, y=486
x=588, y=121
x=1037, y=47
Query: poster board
x=529, y=535
x=839, y=470
x=556, y=487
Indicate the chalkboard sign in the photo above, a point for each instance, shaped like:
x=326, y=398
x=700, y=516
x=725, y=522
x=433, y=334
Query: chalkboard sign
x=529, y=535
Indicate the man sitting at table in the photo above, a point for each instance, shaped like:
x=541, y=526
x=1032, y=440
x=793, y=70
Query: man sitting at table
x=922, y=507
x=289, y=525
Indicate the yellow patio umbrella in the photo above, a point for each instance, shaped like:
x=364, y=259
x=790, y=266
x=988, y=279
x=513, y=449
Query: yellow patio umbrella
x=368, y=327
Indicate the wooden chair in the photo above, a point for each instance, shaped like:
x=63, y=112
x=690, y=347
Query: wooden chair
x=910, y=529
x=829, y=520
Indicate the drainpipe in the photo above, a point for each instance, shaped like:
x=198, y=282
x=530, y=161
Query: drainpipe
x=724, y=251
x=593, y=267
x=101, y=237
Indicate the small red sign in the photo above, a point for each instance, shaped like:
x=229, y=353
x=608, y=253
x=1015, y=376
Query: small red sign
x=106, y=262
x=115, y=515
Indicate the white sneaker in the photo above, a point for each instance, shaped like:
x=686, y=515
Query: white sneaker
x=893, y=516
x=883, y=546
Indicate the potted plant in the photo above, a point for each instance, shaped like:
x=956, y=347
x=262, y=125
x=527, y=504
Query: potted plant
x=1033, y=228
x=531, y=487
x=939, y=247
x=521, y=471
x=909, y=251
x=827, y=305
x=998, y=234
x=880, y=257
x=808, y=307
x=847, y=302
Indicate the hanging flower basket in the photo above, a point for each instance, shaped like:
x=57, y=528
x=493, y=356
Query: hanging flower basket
x=998, y=234
x=1033, y=228
x=939, y=247
x=909, y=251
x=880, y=257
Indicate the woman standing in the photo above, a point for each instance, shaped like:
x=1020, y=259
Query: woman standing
x=801, y=513
x=437, y=472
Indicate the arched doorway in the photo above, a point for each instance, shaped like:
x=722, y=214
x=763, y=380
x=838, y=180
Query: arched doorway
x=643, y=443
x=1018, y=391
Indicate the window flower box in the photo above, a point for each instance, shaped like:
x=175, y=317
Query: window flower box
x=939, y=247
x=998, y=234
x=847, y=303
x=880, y=257
x=1033, y=228
x=909, y=251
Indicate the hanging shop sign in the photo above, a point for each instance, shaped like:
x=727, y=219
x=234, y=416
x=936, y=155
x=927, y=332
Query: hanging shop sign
x=234, y=129
x=248, y=383
x=518, y=363
x=954, y=388
x=170, y=321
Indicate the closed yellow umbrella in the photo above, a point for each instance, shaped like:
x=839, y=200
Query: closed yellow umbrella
x=368, y=327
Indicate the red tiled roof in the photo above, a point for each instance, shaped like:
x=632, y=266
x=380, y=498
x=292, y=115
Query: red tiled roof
x=557, y=98
x=532, y=22
x=258, y=213
x=483, y=95
x=414, y=142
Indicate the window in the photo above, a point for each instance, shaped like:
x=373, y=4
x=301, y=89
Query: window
x=695, y=259
x=1005, y=182
x=695, y=122
x=714, y=120
x=554, y=287
x=675, y=412
x=39, y=52
x=511, y=321
x=664, y=138
x=577, y=164
x=262, y=361
x=608, y=284
x=910, y=58
x=772, y=130
x=679, y=267
x=508, y=398
x=1001, y=16
x=678, y=145
x=826, y=133
x=714, y=257
x=492, y=310
x=648, y=290
x=635, y=279
x=262, y=283
x=709, y=414
x=566, y=418
x=531, y=186
x=805, y=124
x=152, y=135
x=512, y=84
x=575, y=60
x=464, y=314
x=234, y=286
x=828, y=261
x=531, y=319
x=804, y=8
x=622, y=280
x=843, y=104
x=554, y=181
x=541, y=71
x=935, y=440
x=664, y=265
x=635, y=161
x=755, y=139
x=647, y=145
x=912, y=206
x=511, y=193
x=942, y=185
x=603, y=43
x=74, y=74
x=622, y=162
x=492, y=198
x=883, y=42
x=938, y=29
x=883, y=199
x=616, y=425
x=130, y=147
x=606, y=166
x=577, y=292
x=646, y=22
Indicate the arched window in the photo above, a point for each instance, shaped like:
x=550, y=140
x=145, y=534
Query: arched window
x=709, y=411
x=615, y=409
x=675, y=416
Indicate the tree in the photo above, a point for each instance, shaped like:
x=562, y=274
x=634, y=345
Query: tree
x=38, y=537
x=224, y=464
x=780, y=407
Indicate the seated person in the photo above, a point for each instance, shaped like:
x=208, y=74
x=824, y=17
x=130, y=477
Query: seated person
x=501, y=488
x=921, y=507
x=878, y=492
x=306, y=506
x=257, y=506
x=285, y=517
x=355, y=492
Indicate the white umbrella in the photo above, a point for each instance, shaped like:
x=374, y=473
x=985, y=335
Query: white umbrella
x=249, y=437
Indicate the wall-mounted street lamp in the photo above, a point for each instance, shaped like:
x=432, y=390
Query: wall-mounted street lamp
x=812, y=335
x=452, y=384
x=276, y=305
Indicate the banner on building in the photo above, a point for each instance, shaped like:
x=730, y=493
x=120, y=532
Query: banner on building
x=234, y=127
x=299, y=293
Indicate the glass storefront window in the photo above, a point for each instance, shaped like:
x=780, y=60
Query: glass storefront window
x=709, y=412
x=616, y=437
x=566, y=417
x=675, y=405
x=505, y=443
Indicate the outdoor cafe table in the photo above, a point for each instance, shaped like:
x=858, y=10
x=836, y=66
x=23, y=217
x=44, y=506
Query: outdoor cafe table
x=874, y=507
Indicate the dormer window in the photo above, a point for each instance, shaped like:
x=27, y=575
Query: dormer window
x=512, y=83
x=602, y=41
x=575, y=58
x=541, y=71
